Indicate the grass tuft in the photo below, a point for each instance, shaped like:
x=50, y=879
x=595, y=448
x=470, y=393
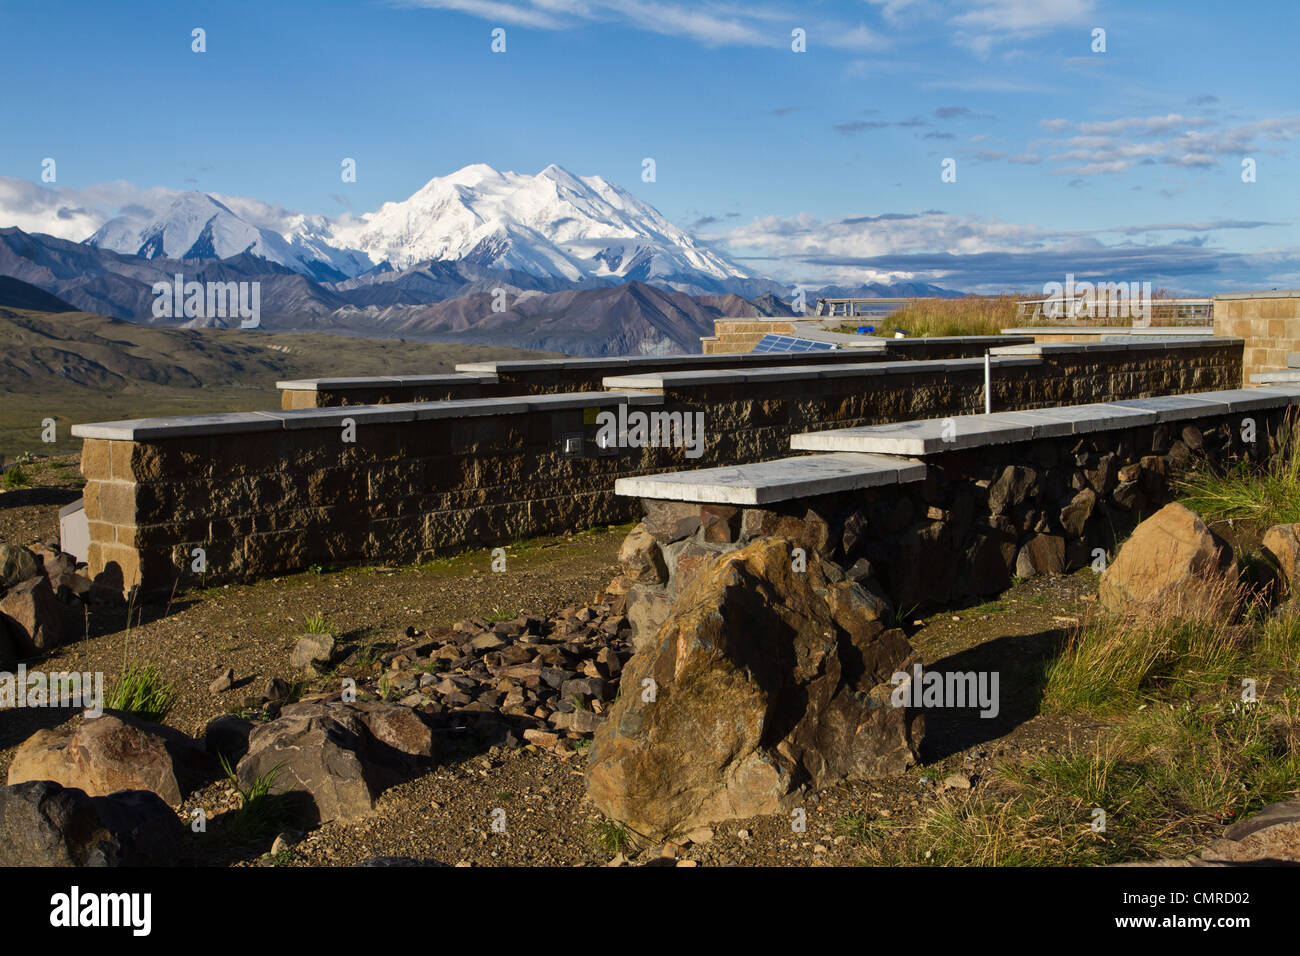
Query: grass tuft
x=611, y=836
x=142, y=691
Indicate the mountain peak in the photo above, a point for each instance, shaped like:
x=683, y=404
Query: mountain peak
x=554, y=225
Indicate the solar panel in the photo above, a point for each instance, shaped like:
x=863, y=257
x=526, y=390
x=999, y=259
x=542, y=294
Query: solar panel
x=787, y=343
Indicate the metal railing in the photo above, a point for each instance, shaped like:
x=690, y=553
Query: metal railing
x=1084, y=311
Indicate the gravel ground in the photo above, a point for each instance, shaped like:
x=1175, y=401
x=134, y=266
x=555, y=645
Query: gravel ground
x=447, y=815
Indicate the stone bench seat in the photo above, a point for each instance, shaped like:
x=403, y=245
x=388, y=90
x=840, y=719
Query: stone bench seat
x=1113, y=341
x=398, y=381
x=935, y=435
x=657, y=381
x=770, y=481
x=632, y=363
x=1277, y=376
x=155, y=429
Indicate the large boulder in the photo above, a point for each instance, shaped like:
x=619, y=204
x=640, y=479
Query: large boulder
x=35, y=616
x=1270, y=836
x=339, y=756
x=1172, y=563
x=112, y=752
x=45, y=824
x=764, y=681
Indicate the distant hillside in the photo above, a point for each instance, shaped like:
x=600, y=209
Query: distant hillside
x=631, y=319
x=76, y=367
x=17, y=294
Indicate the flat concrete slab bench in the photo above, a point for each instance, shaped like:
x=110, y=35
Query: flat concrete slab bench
x=634, y=363
x=398, y=381
x=1278, y=376
x=155, y=429
x=1166, y=331
x=770, y=481
x=1113, y=342
x=935, y=435
x=657, y=381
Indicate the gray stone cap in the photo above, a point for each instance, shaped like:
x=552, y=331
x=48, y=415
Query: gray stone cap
x=776, y=373
x=1288, y=374
x=236, y=423
x=1055, y=348
x=934, y=435
x=770, y=481
x=1273, y=294
x=1170, y=331
x=447, y=378
x=630, y=363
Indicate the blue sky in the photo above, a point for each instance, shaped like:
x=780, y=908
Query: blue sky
x=813, y=167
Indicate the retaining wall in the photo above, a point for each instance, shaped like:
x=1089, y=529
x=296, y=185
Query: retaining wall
x=264, y=493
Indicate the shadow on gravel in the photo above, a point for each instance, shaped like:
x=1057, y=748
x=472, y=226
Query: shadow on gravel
x=1020, y=663
x=35, y=497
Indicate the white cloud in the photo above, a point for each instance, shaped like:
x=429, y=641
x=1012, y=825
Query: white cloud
x=711, y=24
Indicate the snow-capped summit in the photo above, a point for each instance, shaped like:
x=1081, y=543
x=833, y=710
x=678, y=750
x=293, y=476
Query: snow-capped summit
x=553, y=224
x=192, y=226
x=195, y=225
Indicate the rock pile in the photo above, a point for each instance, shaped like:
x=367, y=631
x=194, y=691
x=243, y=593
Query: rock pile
x=39, y=588
x=546, y=681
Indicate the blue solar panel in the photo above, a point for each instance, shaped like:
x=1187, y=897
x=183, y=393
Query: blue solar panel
x=787, y=343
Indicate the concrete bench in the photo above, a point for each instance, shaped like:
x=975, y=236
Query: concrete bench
x=770, y=481
x=1113, y=342
x=935, y=435
x=658, y=381
x=155, y=429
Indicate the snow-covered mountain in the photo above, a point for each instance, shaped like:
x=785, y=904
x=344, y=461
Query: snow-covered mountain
x=194, y=225
x=553, y=225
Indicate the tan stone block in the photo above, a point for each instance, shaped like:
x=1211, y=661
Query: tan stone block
x=119, y=566
x=102, y=532
x=90, y=500
x=97, y=458
x=116, y=502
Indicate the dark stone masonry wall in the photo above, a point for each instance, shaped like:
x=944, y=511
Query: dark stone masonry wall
x=262, y=503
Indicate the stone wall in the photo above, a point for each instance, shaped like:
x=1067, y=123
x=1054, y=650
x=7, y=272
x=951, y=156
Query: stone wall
x=980, y=515
x=1269, y=322
x=546, y=377
x=266, y=493
x=749, y=422
x=741, y=335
